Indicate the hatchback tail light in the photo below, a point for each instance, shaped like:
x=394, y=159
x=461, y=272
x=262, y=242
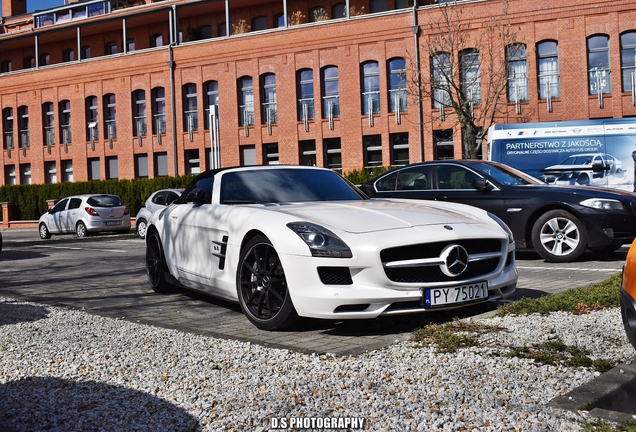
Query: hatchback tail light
x=126, y=211
x=91, y=211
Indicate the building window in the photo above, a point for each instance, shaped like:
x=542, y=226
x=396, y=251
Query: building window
x=6, y=66
x=130, y=45
x=68, y=55
x=9, y=173
x=29, y=62
x=307, y=152
x=92, y=131
x=223, y=29
x=370, y=87
x=25, y=173
x=401, y=4
x=192, y=161
x=279, y=19
x=246, y=101
x=156, y=40
x=65, y=121
x=158, y=111
x=270, y=154
x=161, y=164
x=339, y=10
x=318, y=14
x=378, y=6
x=141, y=166
x=397, y=85
x=50, y=173
x=139, y=113
x=48, y=119
x=441, y=70
x=628, y=60
x=399, y=149
x=45, y=59
x=112, y=171
x=211, y=98
x=67, y=170
x=268, y=96
x=443, y=146
x=305, y=91
x=372, y=145
x=470, y=75
x=190, y=114
x=548, y=62
x=110, y=116
x=333, y=154
x=85, y=52
x=517, y=65
x=248, y=155
x=205, y=32
x=93, y=168
x=598, y=60
x=259, y=23
x=330, y=92
x=23, y=125
x=110, y=48
x=7, y=126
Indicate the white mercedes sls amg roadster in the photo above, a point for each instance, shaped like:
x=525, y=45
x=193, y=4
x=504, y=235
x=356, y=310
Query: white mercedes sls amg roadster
x=289, y=241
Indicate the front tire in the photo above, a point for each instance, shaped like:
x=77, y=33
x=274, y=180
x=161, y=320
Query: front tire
x=262, y=287
x=559, y=236
x=156, y=267
x=44, y=232
x=141, y=227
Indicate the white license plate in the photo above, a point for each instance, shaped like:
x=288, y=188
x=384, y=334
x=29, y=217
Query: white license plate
x=437, y=297
x=111, y=223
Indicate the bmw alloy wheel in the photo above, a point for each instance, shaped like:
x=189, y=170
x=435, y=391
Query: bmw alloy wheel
x=558, y=236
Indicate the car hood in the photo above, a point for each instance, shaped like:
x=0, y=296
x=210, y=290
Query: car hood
x=380, y=214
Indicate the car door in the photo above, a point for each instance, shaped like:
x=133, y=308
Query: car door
x=71, y=215
x=55, y=222
x=158, y=201
x=460, y=184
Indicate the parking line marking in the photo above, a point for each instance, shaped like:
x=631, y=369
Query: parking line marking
x=569, y=268
x=80, y=248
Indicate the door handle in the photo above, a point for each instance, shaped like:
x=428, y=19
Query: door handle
x=440, y=197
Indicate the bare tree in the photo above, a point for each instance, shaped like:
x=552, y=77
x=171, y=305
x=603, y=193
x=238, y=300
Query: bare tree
x=468, y=76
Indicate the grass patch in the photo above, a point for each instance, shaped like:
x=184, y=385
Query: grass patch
x=451, y=336
x=602, y=295
x=601, y=426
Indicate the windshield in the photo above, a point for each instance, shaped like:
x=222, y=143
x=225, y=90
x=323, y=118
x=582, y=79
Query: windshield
x=506, y=175
x=285, y=185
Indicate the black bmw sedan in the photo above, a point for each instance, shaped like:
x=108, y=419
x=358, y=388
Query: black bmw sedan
x=560, y=223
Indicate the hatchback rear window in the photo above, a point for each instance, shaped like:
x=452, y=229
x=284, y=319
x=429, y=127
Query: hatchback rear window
x=105, y=201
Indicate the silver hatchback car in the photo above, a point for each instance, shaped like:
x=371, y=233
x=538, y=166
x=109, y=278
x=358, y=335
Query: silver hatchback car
x=83, y=214
x=158, y=200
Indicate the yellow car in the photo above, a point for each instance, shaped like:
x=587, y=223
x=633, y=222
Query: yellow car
x=628, y=295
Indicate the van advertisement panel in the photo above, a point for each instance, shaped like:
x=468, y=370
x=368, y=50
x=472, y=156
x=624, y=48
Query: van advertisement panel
x=595, y=152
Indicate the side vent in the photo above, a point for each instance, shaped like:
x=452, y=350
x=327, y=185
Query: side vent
x=222, y=252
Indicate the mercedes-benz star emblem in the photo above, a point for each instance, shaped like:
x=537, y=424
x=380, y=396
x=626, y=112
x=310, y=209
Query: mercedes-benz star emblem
x=455, y=259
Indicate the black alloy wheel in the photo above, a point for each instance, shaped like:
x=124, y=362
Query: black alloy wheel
x=156, y=267
x=262, y=287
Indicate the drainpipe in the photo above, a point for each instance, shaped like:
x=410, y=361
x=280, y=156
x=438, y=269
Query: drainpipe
x=418, y=79
x=173, y=107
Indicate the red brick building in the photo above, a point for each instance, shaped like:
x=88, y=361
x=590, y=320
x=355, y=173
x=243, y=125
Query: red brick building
x=123, y=88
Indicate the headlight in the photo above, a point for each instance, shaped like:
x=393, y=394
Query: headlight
x=602, y=204
x=321, y=241
x=502, y=224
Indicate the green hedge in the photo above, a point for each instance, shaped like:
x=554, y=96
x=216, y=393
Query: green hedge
x=30, y=200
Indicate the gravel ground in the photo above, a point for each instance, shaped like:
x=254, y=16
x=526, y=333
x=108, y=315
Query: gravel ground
x=66, y=370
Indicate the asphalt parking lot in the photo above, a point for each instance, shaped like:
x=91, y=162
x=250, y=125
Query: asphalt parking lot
x=105, y=275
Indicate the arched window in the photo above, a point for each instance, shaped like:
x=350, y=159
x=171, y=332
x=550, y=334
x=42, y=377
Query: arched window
x=29, y=62
x=305, y=92
x=211, y=97
x=139, y=112
x=158, y=110
x=397, y=85
x=268, y=98
x=628, y=60
x=65, y=121
x=259, y=23
x=548, y=65
x=156, y=40
x=110, y=118
x=330, y=92
x=246, y=101
x=470, y=75
x=370, y=80
x=190, y=114
x=92, y=131
x=517, y=66
x=48, y=123
x=598, y=61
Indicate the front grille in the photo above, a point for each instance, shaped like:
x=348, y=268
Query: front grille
x=433, y=273
x=335, y=275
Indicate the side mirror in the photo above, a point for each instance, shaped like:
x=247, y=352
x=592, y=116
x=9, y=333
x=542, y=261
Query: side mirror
x=550, y=180
x=367, y=189
x=196, y=196
x=481, y=184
